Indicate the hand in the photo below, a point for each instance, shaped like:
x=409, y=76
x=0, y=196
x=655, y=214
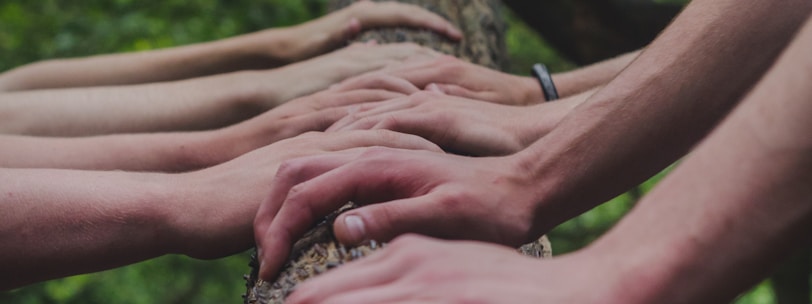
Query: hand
x=492, y=199
x=328, y=32
x=459, y=78
x=418, y=269
x=457, y=124
x=278, y=86
x=217, y=205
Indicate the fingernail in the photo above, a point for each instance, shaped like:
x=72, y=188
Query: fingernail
x=355, y=227
x=433, y=87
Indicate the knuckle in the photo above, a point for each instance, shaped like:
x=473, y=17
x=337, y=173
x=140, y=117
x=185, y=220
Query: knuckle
x=290, y=169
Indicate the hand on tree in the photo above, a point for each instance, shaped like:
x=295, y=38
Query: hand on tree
x=217, y=205
x=459, y=78
x=330, y=31
x=275, y=87
x=418, y=269
x=461, y=125
x=313, y=112
x=443, y=195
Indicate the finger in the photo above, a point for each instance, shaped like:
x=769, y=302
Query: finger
x=422, y=72
x=365, y=273
x=307, y=201
x=383, y=138
x=378, y=81
x=356, y=97
x=309, y=188
x=362, y=118
x=386, y=293
x=398, y=14
x=274, y=246
x=366, y=117
x=352, y=123
x=385, y=221
x=455, y=90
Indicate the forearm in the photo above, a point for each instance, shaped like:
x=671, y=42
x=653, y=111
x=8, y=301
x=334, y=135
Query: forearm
x=592, y=76
x=741, y=199
x=660, y=105
x=227, y=55
x=575, y=82
x=536, y=121
x=56, y=222
x=161, y=152
x=201, y=103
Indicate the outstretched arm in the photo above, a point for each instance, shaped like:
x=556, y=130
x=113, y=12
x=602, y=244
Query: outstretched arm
x=183, y=151
x=62, y=222
x=192, y=104
x=260, y=50
x=459, y=78
x=661, y=105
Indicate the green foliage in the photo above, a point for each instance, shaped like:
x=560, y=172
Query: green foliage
x=37, y=30
x=34, y=30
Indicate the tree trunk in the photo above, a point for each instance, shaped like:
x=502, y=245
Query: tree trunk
x=484, y=28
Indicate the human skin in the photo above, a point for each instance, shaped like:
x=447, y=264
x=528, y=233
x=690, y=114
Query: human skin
x=460, y=125
x=725, y=217
x=183, y=151
x=649, y=115
x=260, y=50
x=192, y=104
x=57, y=222
x=460, y=78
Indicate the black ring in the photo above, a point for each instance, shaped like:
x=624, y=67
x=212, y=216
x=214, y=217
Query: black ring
x=546, y=81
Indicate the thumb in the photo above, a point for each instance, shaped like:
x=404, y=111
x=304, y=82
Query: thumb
x=385, y=221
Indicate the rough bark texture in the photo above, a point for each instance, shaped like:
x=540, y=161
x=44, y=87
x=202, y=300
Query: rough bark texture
x=483, y=27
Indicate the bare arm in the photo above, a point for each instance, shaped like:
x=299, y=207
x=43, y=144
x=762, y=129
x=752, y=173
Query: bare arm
x=62, y=222
x=742, y=198
x=592, y=76
x=660, y=105
x=55, y=222
x=193, y=104
x=264, y=49
x=183, y=151
x=463, y=79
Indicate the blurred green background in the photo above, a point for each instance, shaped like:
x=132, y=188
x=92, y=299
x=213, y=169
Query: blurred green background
x=36, y=30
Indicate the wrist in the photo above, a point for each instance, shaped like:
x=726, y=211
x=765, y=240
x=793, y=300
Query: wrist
x=650, y=273
x=530, y=91
x=207, y=218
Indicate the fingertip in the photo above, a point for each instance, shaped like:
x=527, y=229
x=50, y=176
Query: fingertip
x=353, y=27
x=433, y=87
x=454, y=33
x=350, y=229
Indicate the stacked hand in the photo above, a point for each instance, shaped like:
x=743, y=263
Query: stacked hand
x=461, y=125
x=330, y=31
x=418, y=269
x=219, y=203
x=459, y=78
x=405, y=191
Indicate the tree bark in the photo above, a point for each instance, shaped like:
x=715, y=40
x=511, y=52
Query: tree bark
x=483, y=27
